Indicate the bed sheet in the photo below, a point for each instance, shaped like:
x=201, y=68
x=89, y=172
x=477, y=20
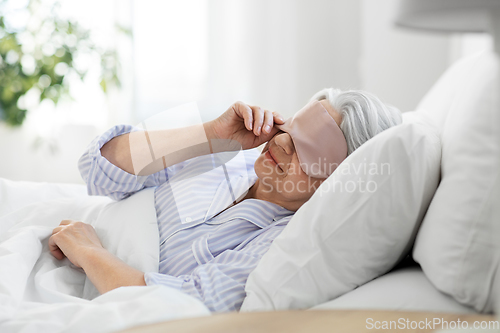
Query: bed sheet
x=404, y=289
x=38, y=293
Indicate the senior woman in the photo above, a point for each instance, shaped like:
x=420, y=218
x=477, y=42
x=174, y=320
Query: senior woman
x=232, y=223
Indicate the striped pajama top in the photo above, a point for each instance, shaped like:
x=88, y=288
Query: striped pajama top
x=206, y=250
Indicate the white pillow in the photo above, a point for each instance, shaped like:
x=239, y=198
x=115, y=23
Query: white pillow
x=358, y=224
x=438, y=101
x=458, y=244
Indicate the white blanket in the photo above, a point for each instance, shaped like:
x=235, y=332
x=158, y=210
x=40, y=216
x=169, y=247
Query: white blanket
x=39, y=293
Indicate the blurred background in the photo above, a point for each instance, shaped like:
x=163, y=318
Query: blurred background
x=69, y=70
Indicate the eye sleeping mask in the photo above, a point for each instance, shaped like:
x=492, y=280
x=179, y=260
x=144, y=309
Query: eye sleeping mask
x=319, y=141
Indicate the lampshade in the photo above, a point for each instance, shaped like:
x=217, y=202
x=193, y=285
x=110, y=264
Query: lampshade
x=448, y=15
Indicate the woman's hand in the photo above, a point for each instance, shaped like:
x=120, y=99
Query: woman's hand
x=73, y=240
x=78, y=242
x=250, y=126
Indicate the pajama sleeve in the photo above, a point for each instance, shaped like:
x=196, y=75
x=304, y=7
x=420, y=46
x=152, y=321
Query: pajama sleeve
x=104, y=178
x=219, y=284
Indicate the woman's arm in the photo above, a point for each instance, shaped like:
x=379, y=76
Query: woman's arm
x=147, y=152
x=108, y=272
x=79, y=242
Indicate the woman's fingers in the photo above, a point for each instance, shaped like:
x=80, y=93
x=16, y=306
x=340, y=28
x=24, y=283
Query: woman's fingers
x=264, y=120
x=62, y=225
x=278, y=118
x=257, y=119
x=57, y=229
x=247, y=116
x=245, y=112
x=54, y=249
x=268, y=122
x=258, y=115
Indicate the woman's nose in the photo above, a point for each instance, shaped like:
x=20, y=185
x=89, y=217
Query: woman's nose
x=284, y=140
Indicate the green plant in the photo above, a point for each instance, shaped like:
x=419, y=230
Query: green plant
x=40, y=57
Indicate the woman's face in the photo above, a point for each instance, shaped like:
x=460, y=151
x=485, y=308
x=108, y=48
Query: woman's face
x=278, y=167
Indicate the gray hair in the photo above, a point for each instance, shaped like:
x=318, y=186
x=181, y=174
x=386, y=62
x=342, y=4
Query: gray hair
x=363, y=114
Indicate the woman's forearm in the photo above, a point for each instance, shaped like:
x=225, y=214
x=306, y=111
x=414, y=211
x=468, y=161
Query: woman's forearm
x=108, y=272
x=147, y=152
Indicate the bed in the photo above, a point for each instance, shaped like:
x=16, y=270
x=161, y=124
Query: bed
x=451, y=247
x=424, y=242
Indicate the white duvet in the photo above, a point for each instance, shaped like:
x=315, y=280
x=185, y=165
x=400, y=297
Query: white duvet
x=39, y=293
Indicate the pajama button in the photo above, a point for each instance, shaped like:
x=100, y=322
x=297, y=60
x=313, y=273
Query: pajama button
x=188, y=219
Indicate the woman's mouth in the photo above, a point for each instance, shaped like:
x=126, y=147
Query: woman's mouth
x=271, y=158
